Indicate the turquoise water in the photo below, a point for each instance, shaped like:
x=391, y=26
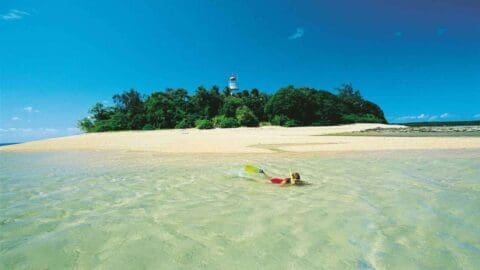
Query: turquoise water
x=126, y=210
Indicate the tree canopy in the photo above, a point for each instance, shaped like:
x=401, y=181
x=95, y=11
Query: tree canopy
x=174, y=108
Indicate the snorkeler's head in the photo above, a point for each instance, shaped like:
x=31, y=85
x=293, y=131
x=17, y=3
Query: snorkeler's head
x=294, y=178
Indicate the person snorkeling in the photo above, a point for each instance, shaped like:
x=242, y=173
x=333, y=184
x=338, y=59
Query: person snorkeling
x=293, y=179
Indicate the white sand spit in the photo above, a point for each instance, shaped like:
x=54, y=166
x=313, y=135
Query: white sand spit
x=245, y=140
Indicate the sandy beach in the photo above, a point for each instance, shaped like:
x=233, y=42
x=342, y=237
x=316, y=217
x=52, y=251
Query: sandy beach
x=268, y=139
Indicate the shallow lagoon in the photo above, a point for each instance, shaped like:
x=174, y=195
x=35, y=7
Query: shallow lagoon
x=133, y=210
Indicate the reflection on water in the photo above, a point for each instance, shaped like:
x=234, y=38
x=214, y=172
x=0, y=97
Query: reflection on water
x=118, y=210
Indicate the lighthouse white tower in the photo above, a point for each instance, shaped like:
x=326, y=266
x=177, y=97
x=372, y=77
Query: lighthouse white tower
x=232, y=83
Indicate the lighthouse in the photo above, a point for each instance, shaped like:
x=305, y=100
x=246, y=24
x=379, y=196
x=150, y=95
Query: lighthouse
x=232, y=83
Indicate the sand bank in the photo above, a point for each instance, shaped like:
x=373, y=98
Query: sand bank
x=245, y=140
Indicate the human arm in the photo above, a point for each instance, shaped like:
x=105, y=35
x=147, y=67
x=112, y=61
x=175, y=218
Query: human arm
x=264, y=174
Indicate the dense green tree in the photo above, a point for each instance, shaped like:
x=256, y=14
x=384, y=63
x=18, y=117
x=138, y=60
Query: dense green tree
x=296, y=104
x=148, y=127
x=215, y=102
x=347, y=92
x=200, y=103
x=279, y=120
x=246, y=117
x=307, y=106
x=326, y=108
x=99, y=112
x=223, y=121
x=174, y=108
x=129, y=111
x=204, y=124
x=166, y=109
x=129, y=101
x=361, y=118
x=86, y=124
x=352, y=103
x=230, y=105
x=187, y=122
x=256, y=102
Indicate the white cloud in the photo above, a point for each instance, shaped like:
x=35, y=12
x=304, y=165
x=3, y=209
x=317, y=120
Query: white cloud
x=16, y=118
x=42, y=130
x=30, y=109
x=14, y=134
x=14, y=14
x=298, y=34
x=424, y=116
x=406, y=117
x=414, y=117
x=15, y=130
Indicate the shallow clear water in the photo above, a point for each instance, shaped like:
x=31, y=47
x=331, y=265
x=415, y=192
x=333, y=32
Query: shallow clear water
x=120, y=210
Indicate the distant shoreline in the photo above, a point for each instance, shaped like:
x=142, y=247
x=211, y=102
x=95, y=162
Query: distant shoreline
x=6, y=144
x=418, y=131
x=440, y=124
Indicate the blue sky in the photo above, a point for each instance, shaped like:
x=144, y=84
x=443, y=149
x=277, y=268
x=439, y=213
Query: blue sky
x=419, y=60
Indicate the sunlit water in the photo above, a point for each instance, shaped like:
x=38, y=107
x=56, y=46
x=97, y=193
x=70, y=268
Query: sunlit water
x=119, y=210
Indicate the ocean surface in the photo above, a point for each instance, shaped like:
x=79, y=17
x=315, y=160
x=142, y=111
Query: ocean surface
x=6, y=144
x=134, y=210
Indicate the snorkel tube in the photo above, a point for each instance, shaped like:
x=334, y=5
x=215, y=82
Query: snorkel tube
x=292, y=180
